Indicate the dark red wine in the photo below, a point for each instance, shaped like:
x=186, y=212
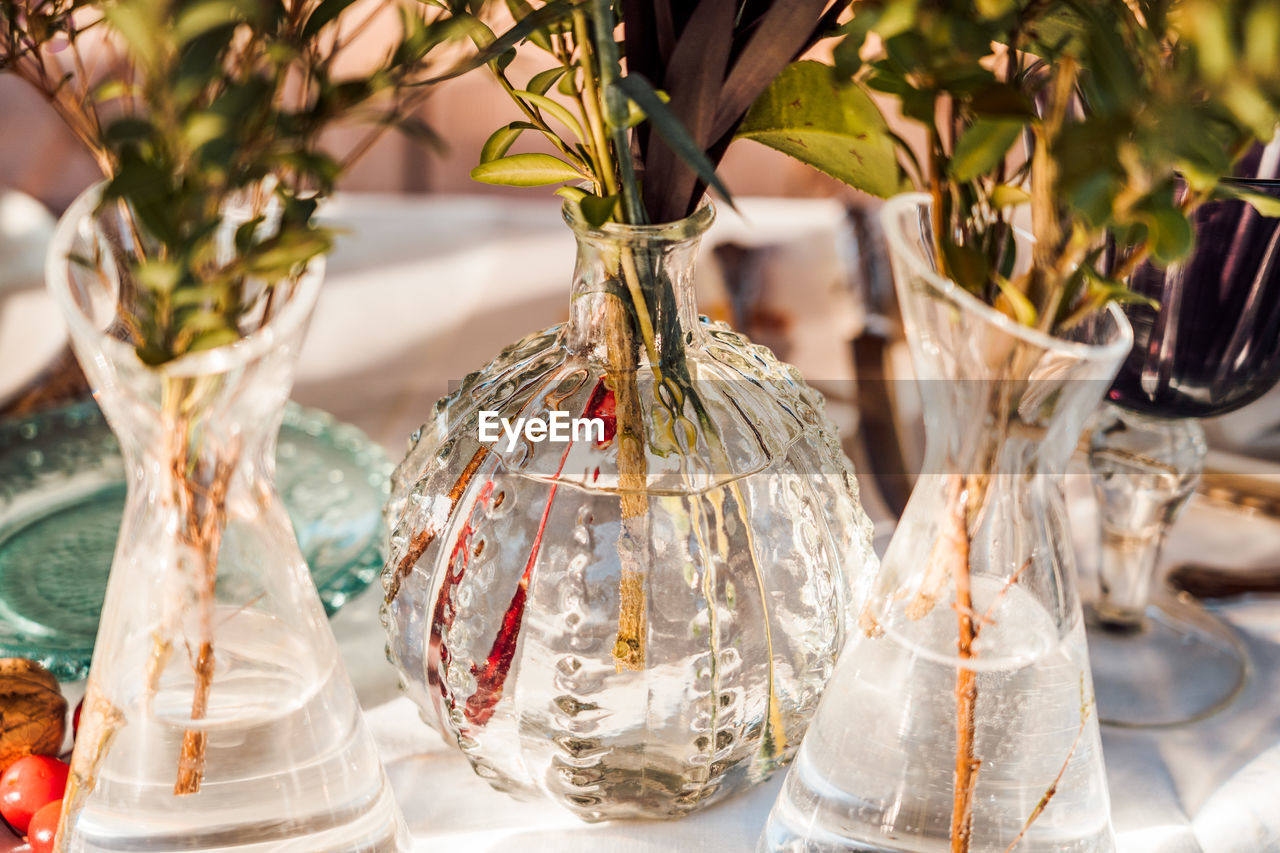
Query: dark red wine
x=1214, y=343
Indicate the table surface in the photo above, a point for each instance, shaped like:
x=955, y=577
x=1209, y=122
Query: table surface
x=423, y=290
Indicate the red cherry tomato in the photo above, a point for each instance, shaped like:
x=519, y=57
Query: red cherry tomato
x=44, y=825
x=75, y=720
x=28, y=784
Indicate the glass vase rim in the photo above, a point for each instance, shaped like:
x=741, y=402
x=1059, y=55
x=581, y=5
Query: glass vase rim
x=690, y=227
x=293, y=315
x=1117, y=347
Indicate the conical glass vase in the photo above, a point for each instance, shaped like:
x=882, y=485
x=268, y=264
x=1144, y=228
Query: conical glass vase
x=635, y=620
x=961, y=717
x=218, y=714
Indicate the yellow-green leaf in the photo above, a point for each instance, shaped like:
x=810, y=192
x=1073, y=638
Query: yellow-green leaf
x=1266, y=205
x=556, y=109
x=525, y=170
x=214, y=339
x=544, y=80
x=597, y=210
x=196, y=19
x=1015, y=302
x=1007, y=195
x=158, y=276
x=500, y=142
x=983, y=146
x=573, y=194
x=837, y=129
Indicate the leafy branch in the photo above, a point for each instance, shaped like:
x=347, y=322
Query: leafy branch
x=644, y=119
x=198, y=108
x=1112, y=121
x=208, y=124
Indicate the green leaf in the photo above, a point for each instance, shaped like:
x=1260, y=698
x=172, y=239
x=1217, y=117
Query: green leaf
x=568, y=85
x=246, y=233
x=109, y=90
x=897, y=17
x=847, y=54
x=966, y=266
x=1170, y=234
x=1262, y=34
x=544, y=80
x=327, y=11
x=421, y=38
x=553, y=12
x=519, y=11
x=1106, y=290
x=419, y=131
x=672, y=131
x=1251, y=107
x=203, y=127
x=983, y=146
x=1059, y=29
x=128, y=129
x=213, y=340
x=526, y=170
x=597, y=210
x=198, y=18
x=1266, y=205
x=836, y=129
x=501, y=140
x=572, y=194
x=1006, y=195
x=140, y=30
x=1003, y=100
x=189, y=297
x=158, y=276
x=635, y=115
x=1016, y=302
x=279, y=256
x=995, y=8
x=554, y=107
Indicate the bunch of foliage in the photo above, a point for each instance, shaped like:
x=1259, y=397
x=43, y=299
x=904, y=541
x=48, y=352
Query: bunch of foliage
x=209, y=126
x=647, y=138
x=1109, y=118
x=209, y=109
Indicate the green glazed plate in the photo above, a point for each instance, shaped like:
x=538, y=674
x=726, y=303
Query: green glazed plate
x=62, y=497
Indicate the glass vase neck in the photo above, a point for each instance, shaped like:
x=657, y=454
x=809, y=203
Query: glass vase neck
x=226, y=401
x=633, y=299
x=1024, y=395
x=89, y=296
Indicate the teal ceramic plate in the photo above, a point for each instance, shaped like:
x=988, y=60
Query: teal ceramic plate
x=62, y=496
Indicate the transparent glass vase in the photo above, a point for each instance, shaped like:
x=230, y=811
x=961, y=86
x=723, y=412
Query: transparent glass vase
x=638, y=621
x=218, y=714
x=961, y=716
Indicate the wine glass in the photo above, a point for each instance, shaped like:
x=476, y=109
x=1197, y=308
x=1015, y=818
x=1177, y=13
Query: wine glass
x=1212, y=346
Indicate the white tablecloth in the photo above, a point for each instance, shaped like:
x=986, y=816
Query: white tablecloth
x=421, y=291
x=1212, y=787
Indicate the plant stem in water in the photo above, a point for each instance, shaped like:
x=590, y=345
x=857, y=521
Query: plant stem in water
x=201, y=498
x=966, y=693
x=620, y=346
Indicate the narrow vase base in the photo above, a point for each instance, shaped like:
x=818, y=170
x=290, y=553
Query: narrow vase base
x=1180, y=665
x=368, y=827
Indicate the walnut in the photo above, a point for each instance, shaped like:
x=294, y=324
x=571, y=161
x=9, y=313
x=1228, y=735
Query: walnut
x=33, y=712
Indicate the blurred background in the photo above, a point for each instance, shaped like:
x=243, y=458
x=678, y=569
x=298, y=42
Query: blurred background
x=39, y=156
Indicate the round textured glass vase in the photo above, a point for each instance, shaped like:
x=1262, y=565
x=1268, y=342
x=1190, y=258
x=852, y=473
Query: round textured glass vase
x=961, y=717
x=638, y=617
x=218, y=715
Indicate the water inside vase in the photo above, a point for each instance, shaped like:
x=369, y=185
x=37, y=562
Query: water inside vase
x=883, y=781
x=280, y=718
